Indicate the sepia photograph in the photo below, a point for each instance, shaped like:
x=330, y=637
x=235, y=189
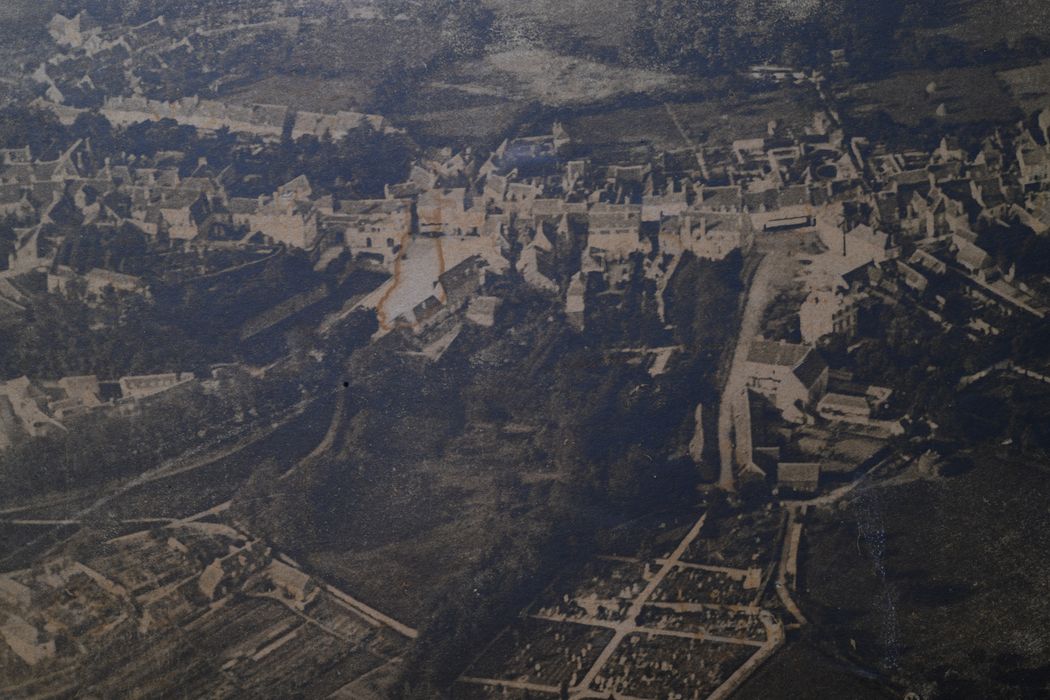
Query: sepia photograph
x=524, y=349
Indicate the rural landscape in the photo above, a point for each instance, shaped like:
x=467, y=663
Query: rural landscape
x=380, y=349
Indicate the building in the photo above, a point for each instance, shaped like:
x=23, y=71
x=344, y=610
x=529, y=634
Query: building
x=792, y=376
x=1034, y=162
x=371, y=228
x=293, y=223
x=707, y=235
x=862, y=245
x=26, y=640
x=613, y=234
x=844, y=407
x=336, y=125
x=482, y=311
x=536, y=263
x=826, y=312
x=73, y=32
x=801, y=477
x=291, y=582
x=463, y=281
x=266, y=121
x=23, y=409
x=182, y=214
x=139, y=387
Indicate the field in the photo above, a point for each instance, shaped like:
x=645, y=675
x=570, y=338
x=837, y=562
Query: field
x=308, y=93
x=603, y=25
x=339, y=65
x=541, y=652
x=944, y=566
x=713, y=120
x=984, y=23
x=800, y=672
x=1030, y=85
x=970, y=95
x=481, y=101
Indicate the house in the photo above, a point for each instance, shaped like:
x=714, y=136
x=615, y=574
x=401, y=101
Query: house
x=912, y=276
x=73, y=32
x=850, y=403
x=482, y=310
x=375, y=228
x=974, y=259
x=672, y=201
x=26, y=641
x=801, y=477
x=463, y=280
x=950, y=149
x=844, y=406
x=792, y=376
x=826, y=312
x=536, y=263
x=181, y=213
x=23, y=406
x=1033, y=161
x=266, y=121
x=426, y=309
x=83, y=387
x=614, y=232
x=336, y=125
x=707, y=235
x=291, y=582
x=294, y=224
x=442, y=210
x=859, y=245
x=140, y=387
x=81, y=394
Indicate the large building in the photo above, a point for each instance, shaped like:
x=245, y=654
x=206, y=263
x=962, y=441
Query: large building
x=792, y=376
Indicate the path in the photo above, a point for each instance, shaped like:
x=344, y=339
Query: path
x=627, y=626
x=173, y=467
x=699, y=152
x=758, y=298
x=774, y=640
x=789, y=564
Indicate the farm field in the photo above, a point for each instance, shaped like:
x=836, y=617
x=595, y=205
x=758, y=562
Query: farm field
x=970, y=95
x=801, y=672
x=1030, y=86
x=903, y=568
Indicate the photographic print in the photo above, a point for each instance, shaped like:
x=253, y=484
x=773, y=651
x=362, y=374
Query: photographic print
x=548, y=349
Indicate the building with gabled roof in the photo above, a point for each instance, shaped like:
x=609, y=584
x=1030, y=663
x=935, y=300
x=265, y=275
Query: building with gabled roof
x=801, y=477
x=792, y=376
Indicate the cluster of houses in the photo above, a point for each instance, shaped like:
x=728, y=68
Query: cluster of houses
x=160, y=582
x=562, y=220
x=91, y=62
x=38, y=408
x=923, y=231
x=122, y=72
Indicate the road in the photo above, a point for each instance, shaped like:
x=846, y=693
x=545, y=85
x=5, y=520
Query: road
x=186, y=462
x=758, y=297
